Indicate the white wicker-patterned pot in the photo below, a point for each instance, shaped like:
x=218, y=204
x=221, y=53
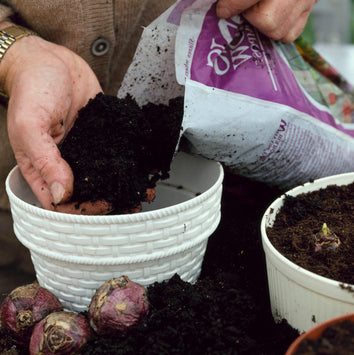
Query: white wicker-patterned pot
x=73, y=255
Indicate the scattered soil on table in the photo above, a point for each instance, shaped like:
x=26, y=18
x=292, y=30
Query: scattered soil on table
x=302, y=216
x=337, y=339
x=118, y=150
x=227, y=311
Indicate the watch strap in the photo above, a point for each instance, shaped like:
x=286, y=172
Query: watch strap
x=8, y=36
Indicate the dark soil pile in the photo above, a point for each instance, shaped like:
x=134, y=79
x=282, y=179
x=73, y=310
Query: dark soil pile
x=303, y=216
x=165, y=122
x=227, y=311
x=337, y=339
x=114, y=146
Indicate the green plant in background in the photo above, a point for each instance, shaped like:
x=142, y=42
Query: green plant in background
x=352, y=24
x=308, y=33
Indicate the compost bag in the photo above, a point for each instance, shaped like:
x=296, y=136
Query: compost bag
x=251, y=103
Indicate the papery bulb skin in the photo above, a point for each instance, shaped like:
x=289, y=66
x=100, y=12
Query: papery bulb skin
x=326, y=239
x=61, y=333
x=24, y=307
x=117, y=305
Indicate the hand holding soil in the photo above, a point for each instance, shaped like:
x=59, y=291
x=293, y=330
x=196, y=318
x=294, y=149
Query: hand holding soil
x=47, y=85
x=117, y=151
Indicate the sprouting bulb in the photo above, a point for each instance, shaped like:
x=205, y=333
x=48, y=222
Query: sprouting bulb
x=326, y=239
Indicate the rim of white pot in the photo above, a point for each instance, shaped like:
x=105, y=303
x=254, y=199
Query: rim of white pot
x=297, y=273
x=121, y=218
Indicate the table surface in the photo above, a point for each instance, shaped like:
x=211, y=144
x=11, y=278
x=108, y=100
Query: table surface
x=341, y=56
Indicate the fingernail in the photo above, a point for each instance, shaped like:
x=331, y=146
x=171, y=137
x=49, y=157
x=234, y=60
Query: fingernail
x=57, y=190
x=224, y=12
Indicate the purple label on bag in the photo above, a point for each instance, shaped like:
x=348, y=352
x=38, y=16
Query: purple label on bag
x=232, y=55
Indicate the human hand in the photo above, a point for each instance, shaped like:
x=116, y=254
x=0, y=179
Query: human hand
x=278, y=19
x=47, y=85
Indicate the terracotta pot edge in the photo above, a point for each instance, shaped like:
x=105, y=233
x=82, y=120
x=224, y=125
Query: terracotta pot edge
x=316, y=331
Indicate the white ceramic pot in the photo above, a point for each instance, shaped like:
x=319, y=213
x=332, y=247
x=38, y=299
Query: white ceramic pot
x=73, y=255
x=303, y=298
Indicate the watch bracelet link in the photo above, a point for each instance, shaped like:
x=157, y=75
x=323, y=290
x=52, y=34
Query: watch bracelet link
x=8, y=36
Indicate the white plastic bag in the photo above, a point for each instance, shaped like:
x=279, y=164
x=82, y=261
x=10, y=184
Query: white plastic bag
x=250, y=103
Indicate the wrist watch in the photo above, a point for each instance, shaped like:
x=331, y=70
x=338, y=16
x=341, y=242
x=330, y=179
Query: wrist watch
x=9, y=36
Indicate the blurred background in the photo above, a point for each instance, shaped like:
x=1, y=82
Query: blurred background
x=330, y=30
x=331, y=21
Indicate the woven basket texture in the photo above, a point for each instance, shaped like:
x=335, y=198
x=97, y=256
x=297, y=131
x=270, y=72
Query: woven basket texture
x=75, y=285
x=74, y=255
x=117, y=243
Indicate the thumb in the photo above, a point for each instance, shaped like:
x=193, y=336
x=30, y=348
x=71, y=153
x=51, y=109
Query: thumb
x=48, y=174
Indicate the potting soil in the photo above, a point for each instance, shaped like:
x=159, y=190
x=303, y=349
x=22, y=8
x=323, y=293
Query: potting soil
x=118, y=150
x=303, y=216
x=227, y=310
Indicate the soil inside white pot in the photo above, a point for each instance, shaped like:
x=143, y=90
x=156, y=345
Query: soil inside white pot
x=297, y=232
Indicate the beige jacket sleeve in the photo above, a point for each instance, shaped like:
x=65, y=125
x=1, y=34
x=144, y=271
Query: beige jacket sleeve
x=125, y=49
x=5, y=11
x=77, y=24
